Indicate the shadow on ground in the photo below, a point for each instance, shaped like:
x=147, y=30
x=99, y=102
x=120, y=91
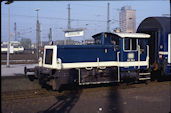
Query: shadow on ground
x=115, y=105
x=65, y=102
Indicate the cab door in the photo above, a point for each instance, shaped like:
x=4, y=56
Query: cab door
x=142, y=49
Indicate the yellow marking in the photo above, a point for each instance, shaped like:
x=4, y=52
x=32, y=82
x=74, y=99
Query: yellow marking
x=105, y=50
x=105, y=35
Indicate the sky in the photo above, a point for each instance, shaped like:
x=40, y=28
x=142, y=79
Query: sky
x=91, y=15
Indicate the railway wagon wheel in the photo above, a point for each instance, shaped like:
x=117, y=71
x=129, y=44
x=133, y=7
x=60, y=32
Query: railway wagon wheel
x=156, y=72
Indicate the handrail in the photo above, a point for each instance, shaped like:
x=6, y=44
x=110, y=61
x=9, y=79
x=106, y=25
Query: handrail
x=118, y=66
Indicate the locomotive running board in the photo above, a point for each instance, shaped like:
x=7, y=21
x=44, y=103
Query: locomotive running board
x=141, y=74
x=101, y=82
x=144, y=76
x=147, y=78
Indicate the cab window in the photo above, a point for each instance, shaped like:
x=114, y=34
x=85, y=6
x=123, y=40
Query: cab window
x=130, y=44
x=98, y=40
x=142, y=43
x=114, y=40
x=49, y=56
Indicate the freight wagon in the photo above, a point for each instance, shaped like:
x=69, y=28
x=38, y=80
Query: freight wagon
x=159, y=45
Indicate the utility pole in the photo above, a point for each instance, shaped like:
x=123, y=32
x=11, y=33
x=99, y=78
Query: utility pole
x=108, y=21
x=15, y=30
x=69, y=20
x=38, y=36
x=69, y=23
x=50, y=35
x=8, y=51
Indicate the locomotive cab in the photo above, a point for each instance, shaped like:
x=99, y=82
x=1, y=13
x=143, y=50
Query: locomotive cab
x=134, y=55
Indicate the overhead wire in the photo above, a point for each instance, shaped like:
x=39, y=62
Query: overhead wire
x=43, y=17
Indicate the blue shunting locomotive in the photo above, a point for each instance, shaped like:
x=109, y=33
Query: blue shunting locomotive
x=159, y=45
x=114, y=57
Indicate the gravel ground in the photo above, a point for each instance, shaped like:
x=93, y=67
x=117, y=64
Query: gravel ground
x=17, y=83
x=139, y=98
x=19, y=58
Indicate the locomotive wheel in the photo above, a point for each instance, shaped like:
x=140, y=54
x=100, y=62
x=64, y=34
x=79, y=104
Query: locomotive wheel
x=31, y=77
x=40, y=77
x=42, y=82
x=56, y=84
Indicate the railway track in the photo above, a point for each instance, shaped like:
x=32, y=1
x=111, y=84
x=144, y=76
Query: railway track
x=25, y=94
x=36, y=93
x=20, y=58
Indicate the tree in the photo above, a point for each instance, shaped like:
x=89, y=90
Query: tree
x=26, y=43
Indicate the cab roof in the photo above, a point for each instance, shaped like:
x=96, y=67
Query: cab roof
x=125, y=35
x=133, y=35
